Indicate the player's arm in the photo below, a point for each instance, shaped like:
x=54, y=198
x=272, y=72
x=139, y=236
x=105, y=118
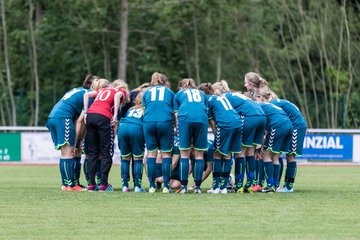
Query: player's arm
x=207, y=171
x=87, y=96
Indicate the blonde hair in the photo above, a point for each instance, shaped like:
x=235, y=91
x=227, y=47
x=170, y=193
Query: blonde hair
x=99, y=83
x=119, y=83
x=206, y=88
x=266, y=93
x=138, y=100
x=255, y=79
x=187, y=83
x=142, y=87
x=158, y=78
x=222, y=86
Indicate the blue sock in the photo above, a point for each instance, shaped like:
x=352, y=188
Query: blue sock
x=250, y=164
x=261, y=170
x=239, y=171
x=86, y=171
x=151, y=172
x=77, y=169
x=98, y=172
x=216, y=172
x=281, y=161
x=276, y=175
x=198, y=172
x=290, y=174
x=138, y=171
x=269, y=173
x=67, y=170
x=166, y=171
x=225, y=174
x=125, y=169
x=256, y=172
x=184, y=171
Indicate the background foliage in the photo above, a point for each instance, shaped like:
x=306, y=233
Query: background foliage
x=307, y=49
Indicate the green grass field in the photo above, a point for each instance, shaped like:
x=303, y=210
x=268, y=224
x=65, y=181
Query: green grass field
x=326, y=205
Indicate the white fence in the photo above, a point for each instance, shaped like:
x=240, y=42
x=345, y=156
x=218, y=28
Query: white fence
x=34, y=145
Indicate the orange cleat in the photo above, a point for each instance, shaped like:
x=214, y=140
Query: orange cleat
x=77, y=188
x=257, y=188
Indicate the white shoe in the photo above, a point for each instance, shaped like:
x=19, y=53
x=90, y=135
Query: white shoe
x=125, y=189
x=214, y=191
x=197, y=190
x=166, y=190
x=285, y=190
x=152, y=190
x=139, y=189
x=224, y=191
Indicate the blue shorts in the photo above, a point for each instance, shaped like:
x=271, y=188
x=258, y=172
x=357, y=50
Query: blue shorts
x=278, y=138
x=159, y=136
x=194, y=134
x=228, y=140
x=253, y=130
x=62, y=131
x=297, y=141
x=131, y=139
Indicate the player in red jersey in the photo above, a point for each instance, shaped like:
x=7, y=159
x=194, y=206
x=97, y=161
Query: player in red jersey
x=101, y=123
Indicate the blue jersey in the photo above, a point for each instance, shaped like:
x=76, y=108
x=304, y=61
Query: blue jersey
x=224, y=115
x=158, y=104
x=133, y=115
x=70, y=105
x=244, y=105
x=292, y=111
x=191, y=106
x=275, y=116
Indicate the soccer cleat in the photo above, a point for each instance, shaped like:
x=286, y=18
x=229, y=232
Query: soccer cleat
x=166, y=190
x=152, y=190
x=285, y=190
x=125, y=189
x=248, y=190
x=268, y=190
x=78, y=188
x=257, y=188
x=92, y=188
x=106, y=188
x=66, y=188
x=224, y=191
x=214, y=191
x=182, y=190
x=139, y=189
x=197, y=190
x=240, y=190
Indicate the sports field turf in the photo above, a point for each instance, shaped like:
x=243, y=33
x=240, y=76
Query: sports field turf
x=326, y=205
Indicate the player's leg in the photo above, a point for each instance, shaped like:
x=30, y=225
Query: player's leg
x=106, y=139
x=199, y=137
x=150, y=135
x=185, y=134
x=124, y=143
x=166, y=138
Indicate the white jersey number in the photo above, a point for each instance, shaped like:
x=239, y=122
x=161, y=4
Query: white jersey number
x=193, y=95
x=160, y=96
x=226, y=104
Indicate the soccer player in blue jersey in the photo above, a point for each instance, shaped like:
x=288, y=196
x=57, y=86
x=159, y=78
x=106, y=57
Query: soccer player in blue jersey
x=158, y=128
x=278, y=136
x=61, y=124
x=132, y=143
x=253, y=122
x=297, y=138
x=192, y=121
x=227, y=128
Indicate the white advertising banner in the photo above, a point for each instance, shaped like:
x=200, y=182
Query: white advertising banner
x=38, y=148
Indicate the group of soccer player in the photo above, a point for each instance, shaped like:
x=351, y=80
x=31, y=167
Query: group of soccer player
x=251, y=132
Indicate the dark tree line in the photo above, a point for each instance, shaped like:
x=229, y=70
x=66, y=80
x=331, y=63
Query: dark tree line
x=308, y=50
